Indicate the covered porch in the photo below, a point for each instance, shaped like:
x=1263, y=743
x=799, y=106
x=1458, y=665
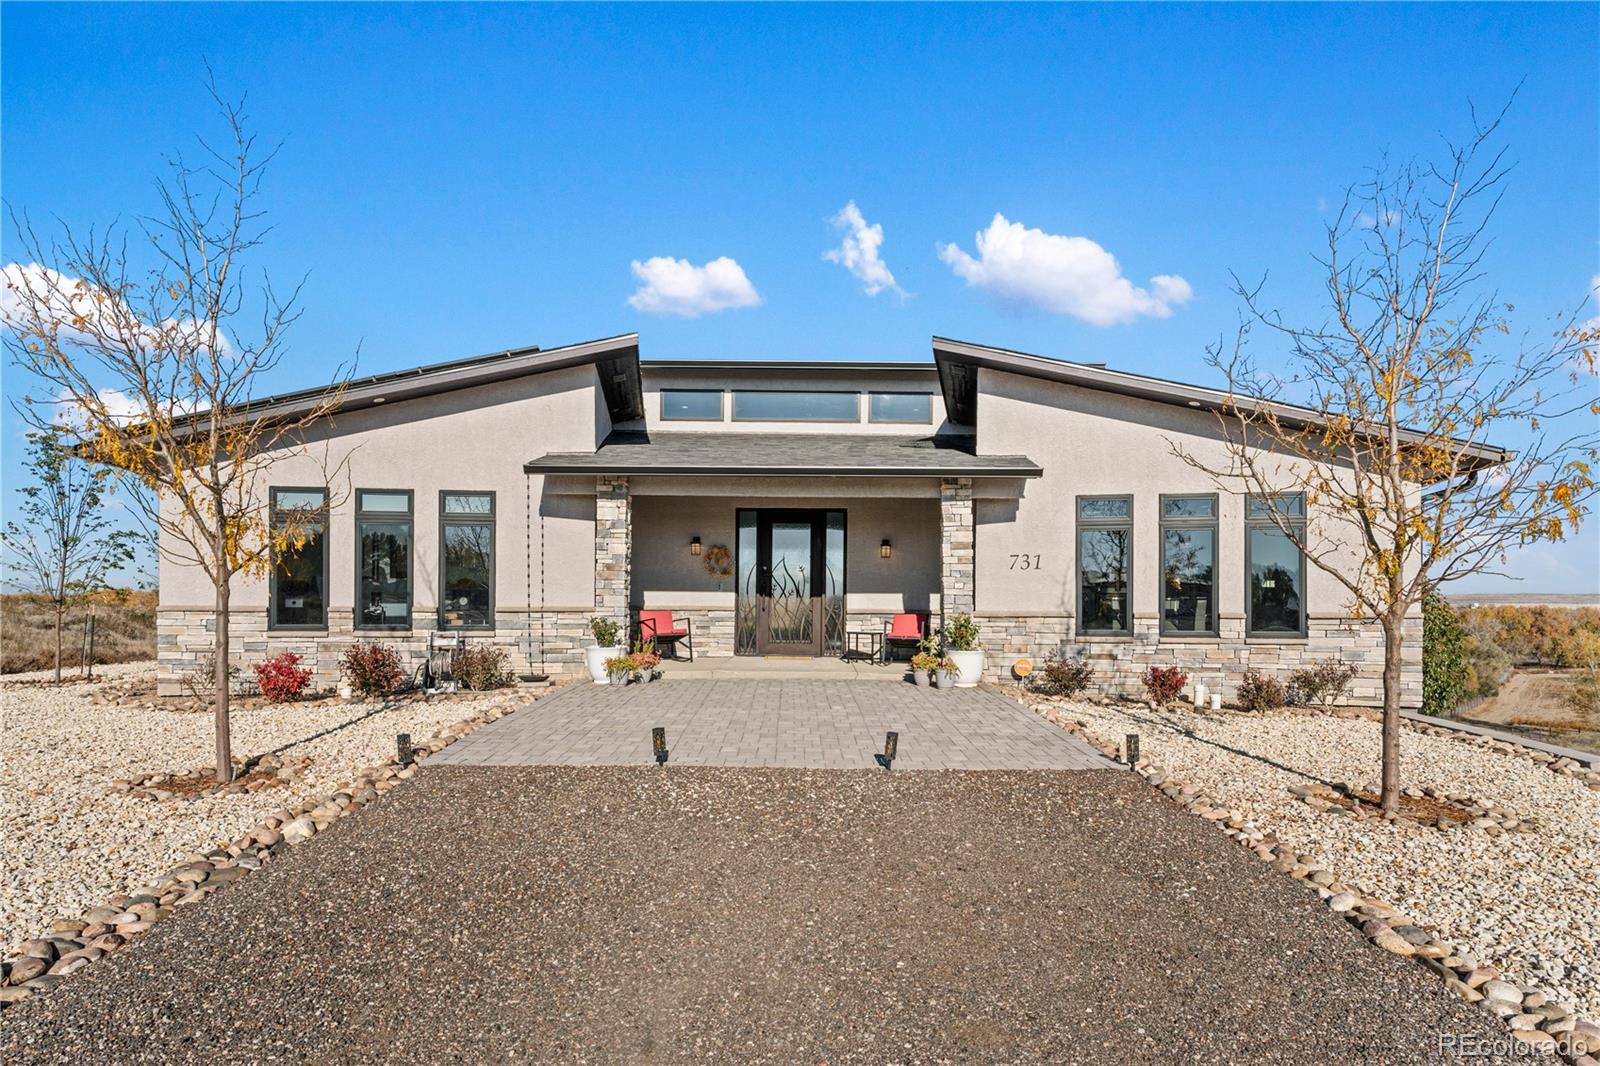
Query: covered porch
x=784, y=546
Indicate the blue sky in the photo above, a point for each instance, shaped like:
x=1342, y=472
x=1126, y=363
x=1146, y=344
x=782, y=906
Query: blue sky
x=460, y=179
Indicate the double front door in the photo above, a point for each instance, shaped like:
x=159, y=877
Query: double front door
x=792, y=592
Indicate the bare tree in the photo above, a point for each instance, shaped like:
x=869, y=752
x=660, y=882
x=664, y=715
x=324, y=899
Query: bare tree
x=65, y=545
x=154, y=361
x=1399, y=397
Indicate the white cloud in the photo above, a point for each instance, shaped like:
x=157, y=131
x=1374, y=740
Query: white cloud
x=70, y=309
x=1063, y=275
x=858, y=251
x=678, y=287
x=1594, y=299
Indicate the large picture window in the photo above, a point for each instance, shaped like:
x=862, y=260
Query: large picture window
x=1189, y=565
x=466, y=576
x=1105, y=559
x=752, y=405
x=298, y=598
x=383, y=559
x=1276, y=571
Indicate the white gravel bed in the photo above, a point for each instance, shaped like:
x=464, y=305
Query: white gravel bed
x=1529, y=903
x=67, y=842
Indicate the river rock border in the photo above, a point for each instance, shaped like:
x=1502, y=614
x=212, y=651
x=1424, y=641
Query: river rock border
x=72, y=944
x=1535, y=1021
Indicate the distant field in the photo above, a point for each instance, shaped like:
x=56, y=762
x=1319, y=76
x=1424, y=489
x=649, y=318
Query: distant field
x=1533, y=702
x=1525, y=599
x=124, y=630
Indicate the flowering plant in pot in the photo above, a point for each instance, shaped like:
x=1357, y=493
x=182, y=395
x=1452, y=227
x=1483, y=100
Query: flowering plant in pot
x=620, y=669
x=605, y=632
x=944, y=673
x=645, y=661
x=961, y=645
x=923, y=664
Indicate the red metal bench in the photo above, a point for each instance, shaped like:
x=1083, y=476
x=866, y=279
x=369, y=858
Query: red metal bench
x=666, y=633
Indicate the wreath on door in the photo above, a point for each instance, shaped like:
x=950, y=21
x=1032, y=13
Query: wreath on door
x=719, y=561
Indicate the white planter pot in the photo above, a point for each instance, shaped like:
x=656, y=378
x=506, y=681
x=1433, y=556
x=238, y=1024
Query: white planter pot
x=969, y=667
x=596, y=658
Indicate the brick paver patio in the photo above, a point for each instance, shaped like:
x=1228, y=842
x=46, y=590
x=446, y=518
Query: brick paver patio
x=785, y=723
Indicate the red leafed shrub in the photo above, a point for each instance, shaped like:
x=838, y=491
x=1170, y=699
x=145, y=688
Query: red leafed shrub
x=1164, y=683
x=281, y=678
x=372, y=669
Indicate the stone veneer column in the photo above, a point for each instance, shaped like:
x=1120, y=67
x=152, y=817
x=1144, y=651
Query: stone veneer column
x=613, y=548
x=957, y=560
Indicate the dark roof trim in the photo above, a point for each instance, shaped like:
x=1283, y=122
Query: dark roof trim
x=784, y=364
x=560, y=464
x=959, y=362
x=615, y=358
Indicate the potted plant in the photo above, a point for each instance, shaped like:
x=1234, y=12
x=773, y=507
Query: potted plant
x=944, y=674
x=961, y=645
x=645, y=660
x=923, y=665
x=605, y=632
x=620, y=669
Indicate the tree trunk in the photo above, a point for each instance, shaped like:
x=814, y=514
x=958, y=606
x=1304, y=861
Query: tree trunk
x=219, y=688
x=1393, y=631
x=60, y=611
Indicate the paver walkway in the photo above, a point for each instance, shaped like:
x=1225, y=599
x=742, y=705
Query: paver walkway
x=792, y=723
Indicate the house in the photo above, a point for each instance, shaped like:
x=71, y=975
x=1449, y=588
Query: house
x=778, y=507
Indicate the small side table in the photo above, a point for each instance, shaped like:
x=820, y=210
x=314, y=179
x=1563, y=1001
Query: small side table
x=853, y=649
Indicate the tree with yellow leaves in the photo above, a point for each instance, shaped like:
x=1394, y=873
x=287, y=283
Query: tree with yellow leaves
x=1387, y=418
x=149, y=364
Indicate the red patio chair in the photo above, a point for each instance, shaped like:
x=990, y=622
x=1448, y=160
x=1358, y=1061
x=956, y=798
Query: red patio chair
x=906, y=631
x=666, y=633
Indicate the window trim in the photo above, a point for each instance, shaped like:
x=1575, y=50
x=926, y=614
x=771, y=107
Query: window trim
x=1079, y=524
x=722, y=405
x=273, y=625
x=1213, y=523
x=899, y=421
x=490, y=520
x=391, y=517
x=1250, y=632
x=853, y=420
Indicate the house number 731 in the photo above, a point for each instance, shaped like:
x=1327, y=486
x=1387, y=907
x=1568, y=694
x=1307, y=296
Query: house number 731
x=1024, y=562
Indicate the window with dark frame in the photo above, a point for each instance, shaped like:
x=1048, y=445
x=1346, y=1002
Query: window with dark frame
x=908, y=407
x=466, y=571
x=1105, y=562
x=691, y=405
x=383, y=559
x=1189, y=565
x=1275, y=569
x=774, y=405
x=298, y=596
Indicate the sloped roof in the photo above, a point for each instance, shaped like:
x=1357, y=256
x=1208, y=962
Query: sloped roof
x=960, y=361
x=785, y=454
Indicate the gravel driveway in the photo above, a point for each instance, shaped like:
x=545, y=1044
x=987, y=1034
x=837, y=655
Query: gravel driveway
x=625, y=914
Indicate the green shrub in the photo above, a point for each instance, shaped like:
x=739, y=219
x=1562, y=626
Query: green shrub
x=605, y=631
x=480, y=667
x=1061, y=676
x=1444, y=668
x=372, y=669
x=1260, y=692
x=961, y=633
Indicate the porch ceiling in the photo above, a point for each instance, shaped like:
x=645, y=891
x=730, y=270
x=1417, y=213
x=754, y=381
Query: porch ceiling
x=784, y=454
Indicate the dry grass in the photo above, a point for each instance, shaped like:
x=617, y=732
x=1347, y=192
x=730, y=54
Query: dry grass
x=124, y=631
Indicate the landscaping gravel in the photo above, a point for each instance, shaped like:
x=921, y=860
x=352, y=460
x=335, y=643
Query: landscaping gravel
x=1527, y=902
x=68, y=840
x=633, y=914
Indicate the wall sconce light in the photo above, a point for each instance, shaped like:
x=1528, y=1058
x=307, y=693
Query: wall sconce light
x=885, y=549
x=694, y=546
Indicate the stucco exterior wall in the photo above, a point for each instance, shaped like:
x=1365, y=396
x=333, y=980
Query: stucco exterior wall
x=1097, y=443
x=469, y=440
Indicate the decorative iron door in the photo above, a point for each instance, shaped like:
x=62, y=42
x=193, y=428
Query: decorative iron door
x=791, y=594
